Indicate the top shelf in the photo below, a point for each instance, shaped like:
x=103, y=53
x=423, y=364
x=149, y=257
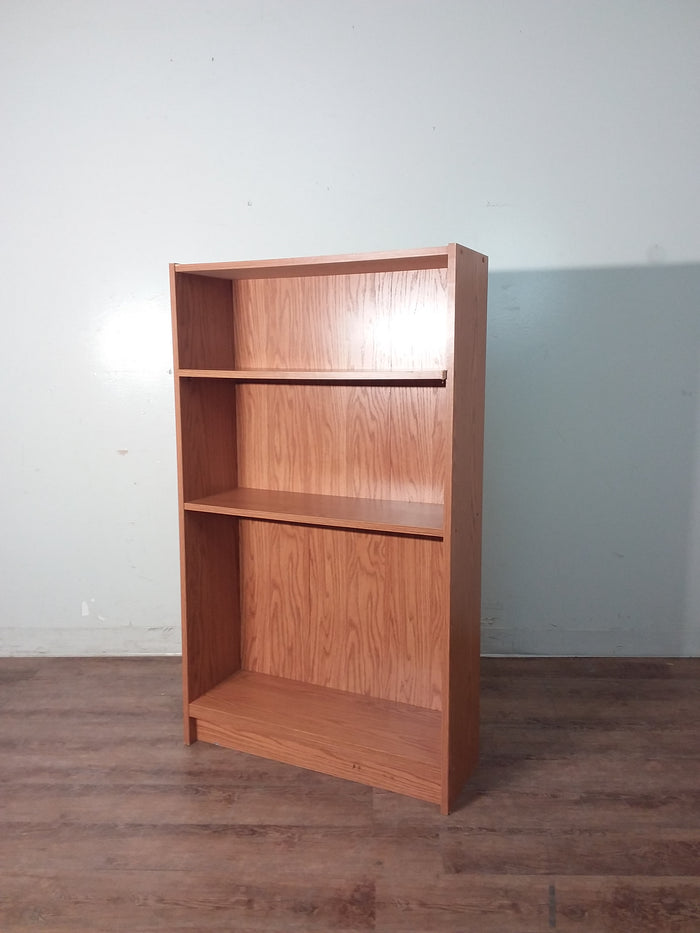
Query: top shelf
x=385, y=376
x=431, y=258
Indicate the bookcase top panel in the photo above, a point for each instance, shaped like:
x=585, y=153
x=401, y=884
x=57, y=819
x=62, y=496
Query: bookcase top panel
x=395, y=261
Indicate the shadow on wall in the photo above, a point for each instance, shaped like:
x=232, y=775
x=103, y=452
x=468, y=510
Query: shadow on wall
x=592, y=463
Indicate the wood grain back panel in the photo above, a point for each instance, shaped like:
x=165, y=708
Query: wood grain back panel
x=370, y=321
x=367, y=442
x=376, y=442
x=418, y=443
x=358, y=612
x=274, y=566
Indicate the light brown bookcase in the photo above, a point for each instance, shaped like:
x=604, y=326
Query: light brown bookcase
x=330, y=438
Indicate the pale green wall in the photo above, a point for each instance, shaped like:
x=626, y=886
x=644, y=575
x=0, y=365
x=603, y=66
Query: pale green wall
x=591, y=513
x=561, y=138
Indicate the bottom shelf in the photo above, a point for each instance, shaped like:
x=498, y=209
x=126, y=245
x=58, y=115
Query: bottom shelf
x=389, y=745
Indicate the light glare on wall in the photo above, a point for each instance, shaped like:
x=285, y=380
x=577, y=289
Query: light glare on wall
x=135, y=338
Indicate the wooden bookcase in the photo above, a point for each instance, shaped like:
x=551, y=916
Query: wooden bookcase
x=330, y=425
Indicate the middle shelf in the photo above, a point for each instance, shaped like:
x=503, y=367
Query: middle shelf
x=409, y=518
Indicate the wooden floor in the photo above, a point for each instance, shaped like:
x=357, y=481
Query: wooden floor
x=584, y=814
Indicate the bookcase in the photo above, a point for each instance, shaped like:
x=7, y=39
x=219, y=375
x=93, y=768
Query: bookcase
x=330, y=437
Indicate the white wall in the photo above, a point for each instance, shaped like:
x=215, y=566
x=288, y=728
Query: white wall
x=558, y=136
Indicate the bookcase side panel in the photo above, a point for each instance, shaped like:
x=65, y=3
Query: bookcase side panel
x=189, y=725
x=211, y=608
x=207, y=437
x=463, y=520
x=204, y=322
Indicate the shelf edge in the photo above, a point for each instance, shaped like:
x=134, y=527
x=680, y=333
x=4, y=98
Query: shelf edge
x=406, y=260
x=431, y=376
x=302, y=518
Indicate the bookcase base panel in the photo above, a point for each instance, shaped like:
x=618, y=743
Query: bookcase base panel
x=376, y=742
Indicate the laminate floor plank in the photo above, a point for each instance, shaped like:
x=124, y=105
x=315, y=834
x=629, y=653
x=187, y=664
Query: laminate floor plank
x=589, y=774
x=542, y=705
x=466, y=904
x=291, y=853
x=137, y=902
x=642, y=905
x=583, y=815
x=484, y=903
x=563, y=739
x=591, y=669
x=187, y=803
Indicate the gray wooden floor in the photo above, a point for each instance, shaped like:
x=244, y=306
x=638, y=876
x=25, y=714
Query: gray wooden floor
x=584, y=814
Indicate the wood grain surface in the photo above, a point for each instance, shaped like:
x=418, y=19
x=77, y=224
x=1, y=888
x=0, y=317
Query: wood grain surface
x=211, y=605
x=583, y=815
x=380, y=376
x=417, y=518
x=208, y=437
x=373, y=442
x=378, y=601
x=363, y=739
x=353, y=263
x=467, y=284
x=203, y=313
x=348, y=610
x=390, y=320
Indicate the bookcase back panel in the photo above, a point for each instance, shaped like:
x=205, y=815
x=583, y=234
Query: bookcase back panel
x=375, y=442
x=354, y=611
x=370, y=321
